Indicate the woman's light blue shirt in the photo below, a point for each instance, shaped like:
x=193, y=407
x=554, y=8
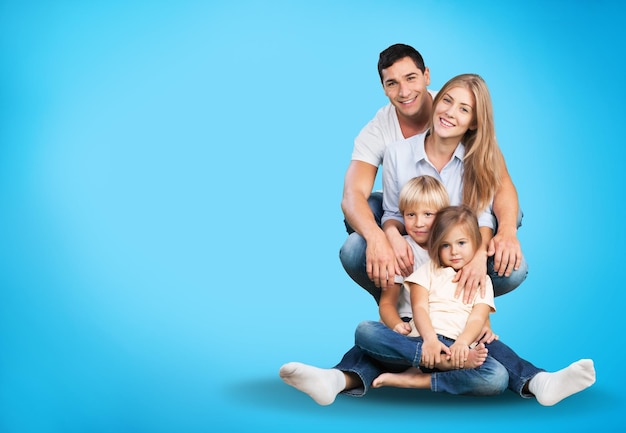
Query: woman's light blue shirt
x=406, y=159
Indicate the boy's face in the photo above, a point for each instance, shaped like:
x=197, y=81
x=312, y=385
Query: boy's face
x=405, y=86
x=418, y=222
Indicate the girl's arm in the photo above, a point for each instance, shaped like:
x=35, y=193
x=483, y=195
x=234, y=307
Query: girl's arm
x=432, y=347
x=473, y=328
x=388, y=310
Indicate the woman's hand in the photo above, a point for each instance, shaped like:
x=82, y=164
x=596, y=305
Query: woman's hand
x=470, y=277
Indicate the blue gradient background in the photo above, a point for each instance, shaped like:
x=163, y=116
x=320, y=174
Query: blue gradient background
x=170, y=179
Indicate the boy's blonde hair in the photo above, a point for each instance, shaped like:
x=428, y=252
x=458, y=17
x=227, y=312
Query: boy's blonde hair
x=423, y=191
x=446, y=219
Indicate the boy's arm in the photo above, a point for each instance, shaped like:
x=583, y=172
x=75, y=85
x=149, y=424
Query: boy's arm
x=380, y=259
x=388, y=310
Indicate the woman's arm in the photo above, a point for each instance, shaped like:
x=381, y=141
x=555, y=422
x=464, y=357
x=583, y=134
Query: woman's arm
x=474, y=274
x=505, y=247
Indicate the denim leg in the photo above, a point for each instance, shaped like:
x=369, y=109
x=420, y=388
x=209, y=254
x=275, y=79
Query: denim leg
x=491, y=378
x=502, y=284
x=358, y=362
x=352, y=256
x=383, y=344
x=352, y=253
x=520, y=371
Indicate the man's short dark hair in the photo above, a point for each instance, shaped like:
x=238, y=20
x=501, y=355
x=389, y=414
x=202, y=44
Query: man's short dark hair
x=391, y=55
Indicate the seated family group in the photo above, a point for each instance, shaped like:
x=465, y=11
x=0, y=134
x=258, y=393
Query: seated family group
x=434, y=248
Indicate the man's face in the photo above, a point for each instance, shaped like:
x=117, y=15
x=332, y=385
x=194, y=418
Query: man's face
x=405, y=86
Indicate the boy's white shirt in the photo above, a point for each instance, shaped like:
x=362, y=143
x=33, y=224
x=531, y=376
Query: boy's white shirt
x=420, y=256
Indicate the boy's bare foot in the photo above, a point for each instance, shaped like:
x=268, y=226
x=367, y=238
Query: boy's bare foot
x=411, y=378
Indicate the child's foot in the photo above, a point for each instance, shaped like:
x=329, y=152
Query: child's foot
x=322, y=385
x=411, y=378
x=475, y=359
x=551, y=388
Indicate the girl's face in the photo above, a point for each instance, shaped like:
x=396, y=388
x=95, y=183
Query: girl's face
x=456, y=249
x=454, y=113
x=418, y=222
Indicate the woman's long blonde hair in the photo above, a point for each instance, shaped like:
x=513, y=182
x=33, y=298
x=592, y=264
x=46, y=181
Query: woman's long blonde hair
x=483, y=163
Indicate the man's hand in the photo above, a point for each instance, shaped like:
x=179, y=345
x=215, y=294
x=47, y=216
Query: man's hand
x=380, y=261
x=404, y=256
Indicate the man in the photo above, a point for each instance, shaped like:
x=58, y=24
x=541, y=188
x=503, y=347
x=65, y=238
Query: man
x=367, y=255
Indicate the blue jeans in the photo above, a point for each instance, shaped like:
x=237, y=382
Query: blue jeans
x=398, y=352
x=352, y=256
x=520, y=371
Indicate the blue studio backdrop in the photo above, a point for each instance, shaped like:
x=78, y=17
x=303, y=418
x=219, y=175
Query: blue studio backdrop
x=170, y=184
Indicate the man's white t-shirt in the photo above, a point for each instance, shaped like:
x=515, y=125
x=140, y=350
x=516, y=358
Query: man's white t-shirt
x=377, y=134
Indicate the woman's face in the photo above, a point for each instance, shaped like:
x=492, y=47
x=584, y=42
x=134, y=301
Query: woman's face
x=454, y=113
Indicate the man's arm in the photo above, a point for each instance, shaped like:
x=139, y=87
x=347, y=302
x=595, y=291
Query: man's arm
x=380, y=259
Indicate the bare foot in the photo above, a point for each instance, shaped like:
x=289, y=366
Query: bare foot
x=475, y=359
x=411, y=378
x=477, y=356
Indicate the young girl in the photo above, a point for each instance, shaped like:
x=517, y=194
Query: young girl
x=447, y=326
x=420, y=200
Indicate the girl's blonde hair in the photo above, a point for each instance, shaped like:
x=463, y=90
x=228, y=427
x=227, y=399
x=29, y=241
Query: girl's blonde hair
x=484, y=162
x=423, y=191
x=446, y=219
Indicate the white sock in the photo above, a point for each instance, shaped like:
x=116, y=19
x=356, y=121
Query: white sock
x=551, y=388
x=321, y=384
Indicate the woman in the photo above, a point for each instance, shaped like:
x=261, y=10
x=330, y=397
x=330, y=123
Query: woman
x=460, y=149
